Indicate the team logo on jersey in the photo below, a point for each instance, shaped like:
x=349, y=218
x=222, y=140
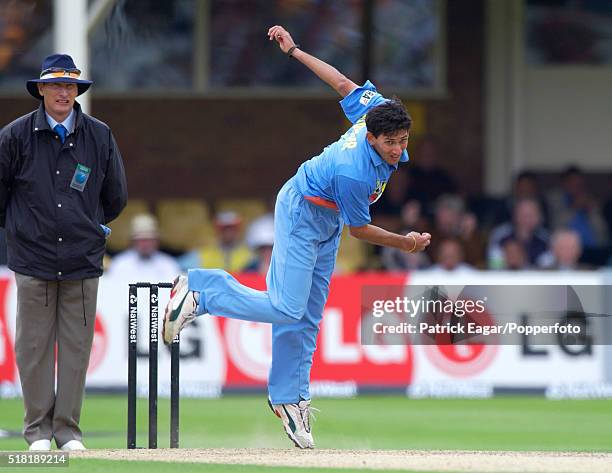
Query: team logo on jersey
x=366, y=97
x=380, y=188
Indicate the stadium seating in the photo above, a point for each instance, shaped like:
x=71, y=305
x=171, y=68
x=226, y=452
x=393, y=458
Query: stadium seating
x=183, y=223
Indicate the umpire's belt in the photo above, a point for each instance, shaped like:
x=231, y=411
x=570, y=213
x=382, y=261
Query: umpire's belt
x=320, y=201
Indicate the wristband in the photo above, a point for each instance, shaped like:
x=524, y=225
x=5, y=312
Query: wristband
x=415, y=244
x=291, y=49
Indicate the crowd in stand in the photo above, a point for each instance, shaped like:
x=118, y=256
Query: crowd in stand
x=230, y=250
x=562, y=227
x=565, y=227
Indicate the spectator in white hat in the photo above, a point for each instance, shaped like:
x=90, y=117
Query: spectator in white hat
x=143, y=261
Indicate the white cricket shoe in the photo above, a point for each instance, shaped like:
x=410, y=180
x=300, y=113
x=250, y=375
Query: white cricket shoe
x=296, y=421
x=73, y=445
x=42, y=445
x=180, y=310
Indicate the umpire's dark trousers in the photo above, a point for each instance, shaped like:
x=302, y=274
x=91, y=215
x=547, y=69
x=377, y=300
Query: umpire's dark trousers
x=50, y=312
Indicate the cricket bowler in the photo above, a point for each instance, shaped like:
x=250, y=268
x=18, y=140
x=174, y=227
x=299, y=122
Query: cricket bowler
x=329, y=191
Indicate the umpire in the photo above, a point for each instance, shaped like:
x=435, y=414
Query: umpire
x=61, y=181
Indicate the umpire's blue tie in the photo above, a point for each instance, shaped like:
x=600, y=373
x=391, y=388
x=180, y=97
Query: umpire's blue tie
x=61, y=132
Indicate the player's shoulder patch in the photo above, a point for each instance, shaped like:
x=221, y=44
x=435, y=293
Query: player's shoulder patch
x=366, y=97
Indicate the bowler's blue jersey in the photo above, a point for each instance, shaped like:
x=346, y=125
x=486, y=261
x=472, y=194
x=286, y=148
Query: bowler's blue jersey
x=349, y=172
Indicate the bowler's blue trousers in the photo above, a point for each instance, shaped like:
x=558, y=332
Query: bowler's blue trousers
x=306, y=239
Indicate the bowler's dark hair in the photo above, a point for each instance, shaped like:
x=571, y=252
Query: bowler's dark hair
x=388, y=118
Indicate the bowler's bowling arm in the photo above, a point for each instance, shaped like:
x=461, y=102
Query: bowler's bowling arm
x=327, y=73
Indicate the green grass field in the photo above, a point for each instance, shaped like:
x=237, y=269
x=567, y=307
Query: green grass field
x=381, y=422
